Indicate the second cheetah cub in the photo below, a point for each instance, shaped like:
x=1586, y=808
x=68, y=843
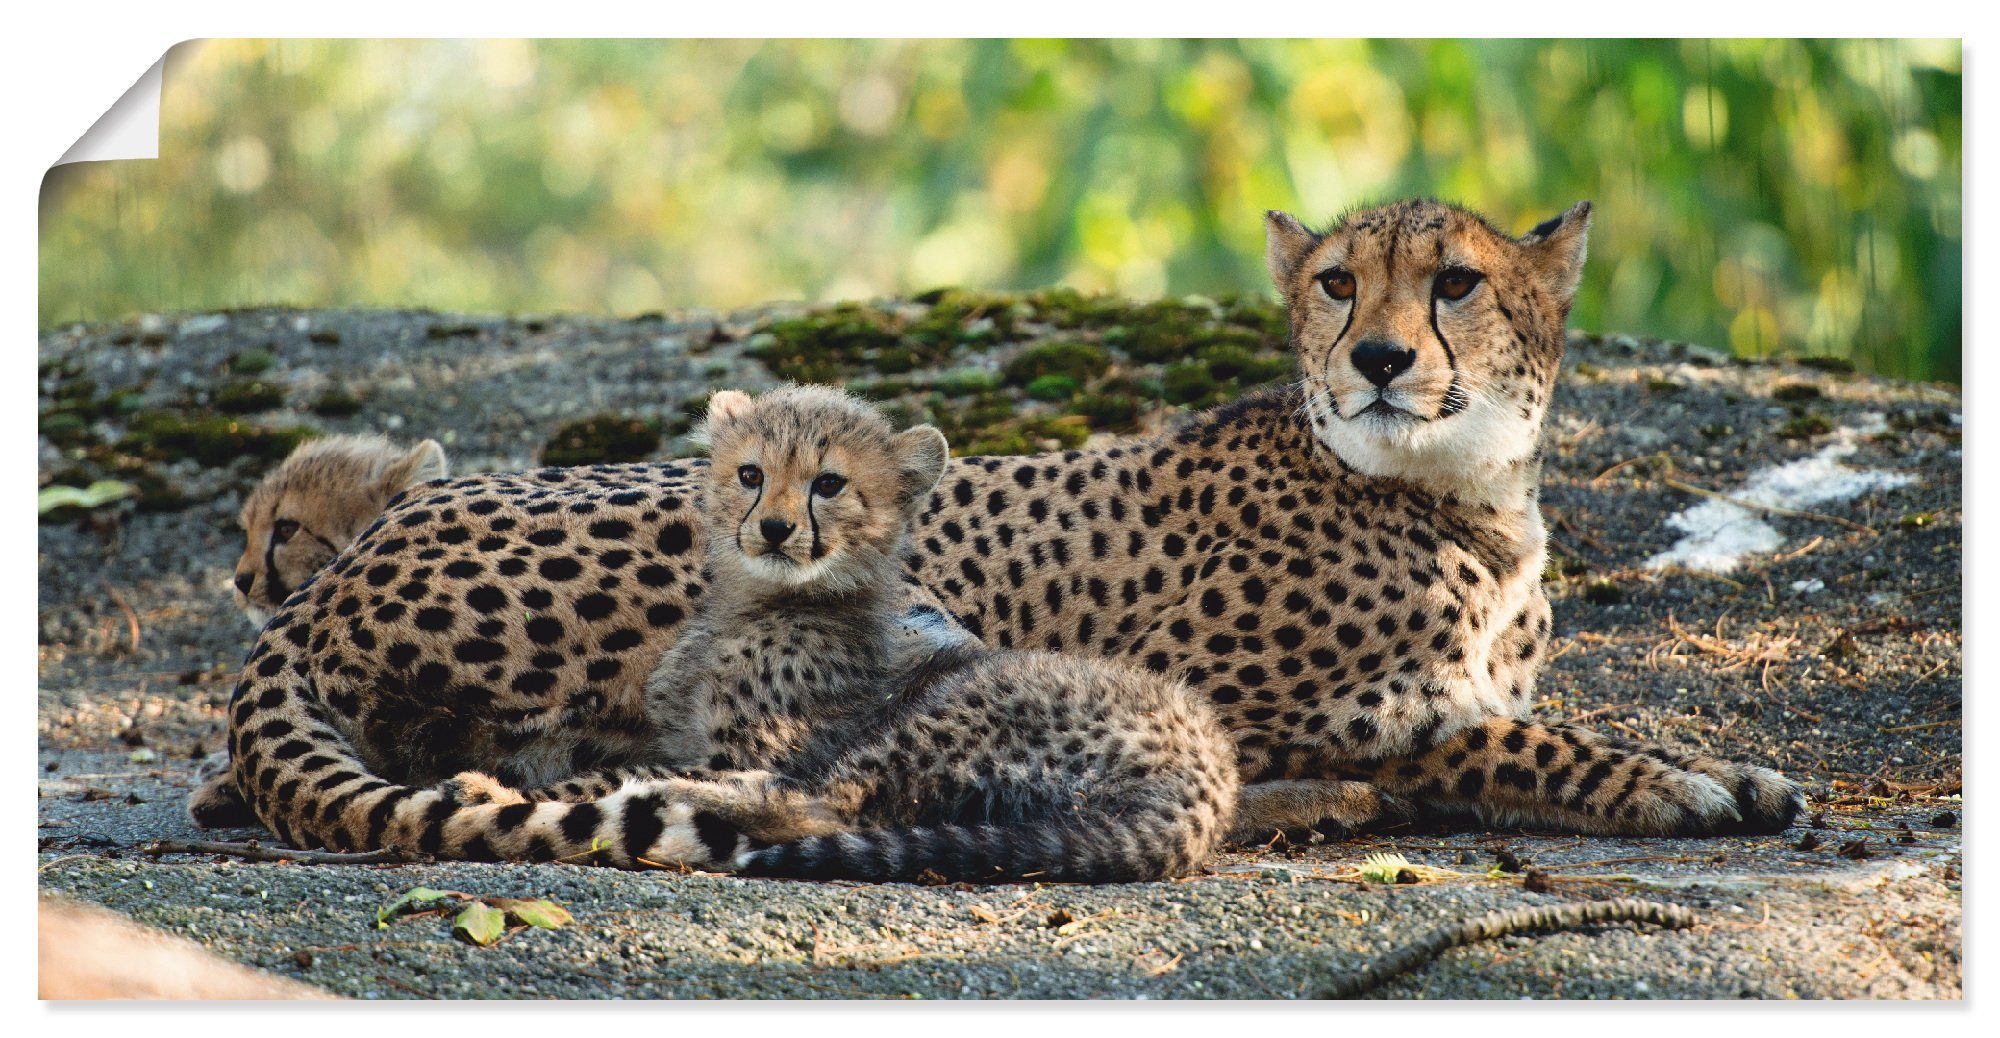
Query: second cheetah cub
x=940, y=759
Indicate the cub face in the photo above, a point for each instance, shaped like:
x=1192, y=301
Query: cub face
x=1428, y=340
x=811, y=486
x=316, y=503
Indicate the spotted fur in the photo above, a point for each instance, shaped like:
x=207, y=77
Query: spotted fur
x=296, y=520
x=940, y=757
x=1356, y=592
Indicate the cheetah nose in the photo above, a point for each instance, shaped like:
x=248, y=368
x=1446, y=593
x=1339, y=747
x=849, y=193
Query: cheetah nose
x=1380, y=362
x=244, y=580
x=775, y=531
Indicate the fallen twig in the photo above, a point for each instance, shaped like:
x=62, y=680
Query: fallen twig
x=254, y=851
x=1539, y=918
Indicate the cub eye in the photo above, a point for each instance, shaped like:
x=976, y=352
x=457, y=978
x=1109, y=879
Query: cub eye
x=1454, y=282
x=828, y=484
x=750, y=476
x=284, y=530
x=1338, y=283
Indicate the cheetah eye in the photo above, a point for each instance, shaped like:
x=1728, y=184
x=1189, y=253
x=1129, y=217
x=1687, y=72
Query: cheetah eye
x=1454, y=283
x=284, y=530
x=750, y=476
x=1338, y=283
x=828, y=484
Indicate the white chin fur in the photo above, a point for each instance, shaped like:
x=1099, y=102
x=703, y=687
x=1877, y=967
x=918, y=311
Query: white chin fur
x=791, y=574
x=1460, y=453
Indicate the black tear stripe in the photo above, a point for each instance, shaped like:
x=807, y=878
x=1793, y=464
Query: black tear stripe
x=754, y=502
x=1352, y=305
x=274, y=590
x=812, y=520
x=1455, y=399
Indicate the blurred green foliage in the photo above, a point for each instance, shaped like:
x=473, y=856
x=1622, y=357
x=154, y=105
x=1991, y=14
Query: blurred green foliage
x=1798, y=197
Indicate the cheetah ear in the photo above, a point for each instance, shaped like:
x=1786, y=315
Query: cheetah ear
x=1557, y=248
x=724, y=405
x=921, y=455
x=1286, y=243
x=728, y=405
x=421, y=464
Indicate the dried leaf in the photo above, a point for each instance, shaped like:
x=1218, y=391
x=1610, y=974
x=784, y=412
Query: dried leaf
x=102, y=492
x=540, y=912
x=480, y=923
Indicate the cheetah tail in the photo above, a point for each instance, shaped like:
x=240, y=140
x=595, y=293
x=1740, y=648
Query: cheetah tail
x=1103, y=851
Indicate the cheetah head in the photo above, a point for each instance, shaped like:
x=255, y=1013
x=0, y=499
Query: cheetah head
x=1428, y=340
x=316, y=503
x=812, y=488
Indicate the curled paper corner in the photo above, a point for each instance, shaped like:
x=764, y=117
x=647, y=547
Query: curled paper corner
x=129, y=129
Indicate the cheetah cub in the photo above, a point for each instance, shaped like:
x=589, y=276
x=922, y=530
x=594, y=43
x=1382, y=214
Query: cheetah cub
x=314, y=504
x=936, y=757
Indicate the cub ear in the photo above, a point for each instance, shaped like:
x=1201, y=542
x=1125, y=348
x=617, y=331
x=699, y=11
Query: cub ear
x=423, y=463
x=728, y=404
x=921, y=455
x=1558, y=246
x=724, y=405
x=1286, y=243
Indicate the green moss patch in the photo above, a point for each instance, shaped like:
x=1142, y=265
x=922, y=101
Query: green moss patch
x=211, y=439
x=246, y=396
x=1805, y=427
x=1079, y=361
x=336, y=403
x=601, y=440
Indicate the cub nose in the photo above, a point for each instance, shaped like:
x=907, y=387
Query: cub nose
x=244, y=580
x=1380, y=362
x=775, y=531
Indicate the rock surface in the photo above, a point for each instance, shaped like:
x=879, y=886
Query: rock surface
x=1835, y=656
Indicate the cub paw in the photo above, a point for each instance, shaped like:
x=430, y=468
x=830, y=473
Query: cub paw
x=469, y=788
x=217, y=804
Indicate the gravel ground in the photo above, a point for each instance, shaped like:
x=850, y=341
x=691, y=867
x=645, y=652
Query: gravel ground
x=1837, y=658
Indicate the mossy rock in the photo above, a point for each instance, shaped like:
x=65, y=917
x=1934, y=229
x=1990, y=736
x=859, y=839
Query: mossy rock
x=1235, y=362
x=960, y=382
x=1111, y=412
x=959, y=317
x=252, y=362
x=210, y=439
x=336, y=403
x=1796, y=392
x=1805, y=427
x=1080, y=361
x=1030, y=436
x=246, y=396
x=831, y=347
x=1052, y=389
x=66, y=429
x=1189, y=383
x=604, y=439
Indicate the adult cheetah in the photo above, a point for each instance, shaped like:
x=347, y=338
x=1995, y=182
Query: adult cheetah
x=1348, y=569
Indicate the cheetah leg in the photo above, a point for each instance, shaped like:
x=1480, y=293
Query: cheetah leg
x=1264, y=809
x=1508, y=772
